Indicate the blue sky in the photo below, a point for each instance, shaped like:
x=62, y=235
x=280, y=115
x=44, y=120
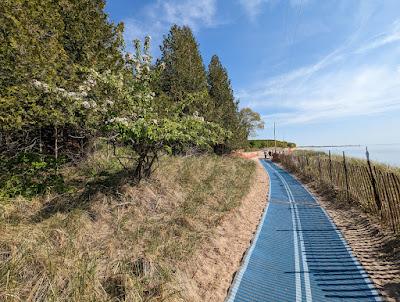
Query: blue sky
x=326, y=71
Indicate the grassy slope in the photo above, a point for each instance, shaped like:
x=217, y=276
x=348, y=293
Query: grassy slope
x=107, y=240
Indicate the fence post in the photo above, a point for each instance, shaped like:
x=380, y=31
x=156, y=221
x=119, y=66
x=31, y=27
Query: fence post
x=319, y=169
x=389, y=188
x=346, y=177
x=373, y=181
x=396, y=187
x=330, y=167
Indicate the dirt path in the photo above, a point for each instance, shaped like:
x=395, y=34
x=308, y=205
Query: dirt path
x=215, y=264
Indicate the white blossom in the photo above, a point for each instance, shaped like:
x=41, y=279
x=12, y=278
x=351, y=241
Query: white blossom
x=162, y=65
x=69, y=94
x=86, y=104
x=119, y=120
x=91, y=82
x=129, y=56
x=37, y=83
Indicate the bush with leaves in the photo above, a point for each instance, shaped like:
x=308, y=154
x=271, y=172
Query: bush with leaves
x=135, y=121
x=43, y=46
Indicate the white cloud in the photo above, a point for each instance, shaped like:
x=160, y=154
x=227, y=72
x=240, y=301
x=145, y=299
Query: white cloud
x=383, y=39
x=362, y=91
x=294, y=79
x=339, y=85
x=190, y=12
x=158, y=16
x=253, y=7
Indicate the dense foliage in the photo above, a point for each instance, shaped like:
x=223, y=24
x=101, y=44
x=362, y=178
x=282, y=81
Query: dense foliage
x=269, y=143
x=43, y=47
x=66, y=80
x=225, y=107
x=184, y=73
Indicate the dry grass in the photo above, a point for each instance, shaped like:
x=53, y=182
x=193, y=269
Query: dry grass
x=349, y=160
x=107, y=240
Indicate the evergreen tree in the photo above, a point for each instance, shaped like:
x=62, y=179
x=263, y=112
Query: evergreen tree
x=46, y=50
x=50, y=42
x=89, y=39
x=184, y=74
x=225, y=106
x=30, y=49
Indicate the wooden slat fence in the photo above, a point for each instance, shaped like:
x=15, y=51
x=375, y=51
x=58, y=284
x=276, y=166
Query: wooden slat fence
x=377, y=191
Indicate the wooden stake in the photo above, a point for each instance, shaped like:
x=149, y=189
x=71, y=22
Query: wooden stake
x=330, y=166
x=374, y=186
x=346, y=177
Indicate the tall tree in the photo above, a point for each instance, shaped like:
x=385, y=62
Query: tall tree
x=49, y=42
x=251, y=121
x=30, y=49
x=89, y=39
x=225, y=107
x=184, y=74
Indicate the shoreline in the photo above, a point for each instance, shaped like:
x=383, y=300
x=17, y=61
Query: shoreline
x=359, y=154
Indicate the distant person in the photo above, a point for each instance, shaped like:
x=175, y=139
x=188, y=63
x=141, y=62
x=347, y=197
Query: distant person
x=265, y=154
x=270, y=153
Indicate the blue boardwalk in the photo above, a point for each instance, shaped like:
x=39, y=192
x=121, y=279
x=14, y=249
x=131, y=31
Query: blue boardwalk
x=298, y=254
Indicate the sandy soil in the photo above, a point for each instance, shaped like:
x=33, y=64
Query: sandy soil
x=215, y=265
x=375, y=247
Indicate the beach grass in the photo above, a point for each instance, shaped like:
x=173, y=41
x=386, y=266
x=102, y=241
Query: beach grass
x=106, y=239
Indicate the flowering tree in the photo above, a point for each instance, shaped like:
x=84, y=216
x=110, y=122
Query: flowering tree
x=49, y=41
x=126, y=107
x=133, y=118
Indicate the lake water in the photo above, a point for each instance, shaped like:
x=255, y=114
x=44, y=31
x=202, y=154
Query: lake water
x=386, y=154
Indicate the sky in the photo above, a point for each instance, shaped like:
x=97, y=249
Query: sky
x=327, y=72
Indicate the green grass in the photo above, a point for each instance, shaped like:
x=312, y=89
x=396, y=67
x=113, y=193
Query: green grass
x=108, y=240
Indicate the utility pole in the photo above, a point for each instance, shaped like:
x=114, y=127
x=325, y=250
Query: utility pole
x=275, y=137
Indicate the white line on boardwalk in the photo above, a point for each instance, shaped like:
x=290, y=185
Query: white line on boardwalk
x=295, y=244
x=296, y=261
x=304, y=256
x=297, y=232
